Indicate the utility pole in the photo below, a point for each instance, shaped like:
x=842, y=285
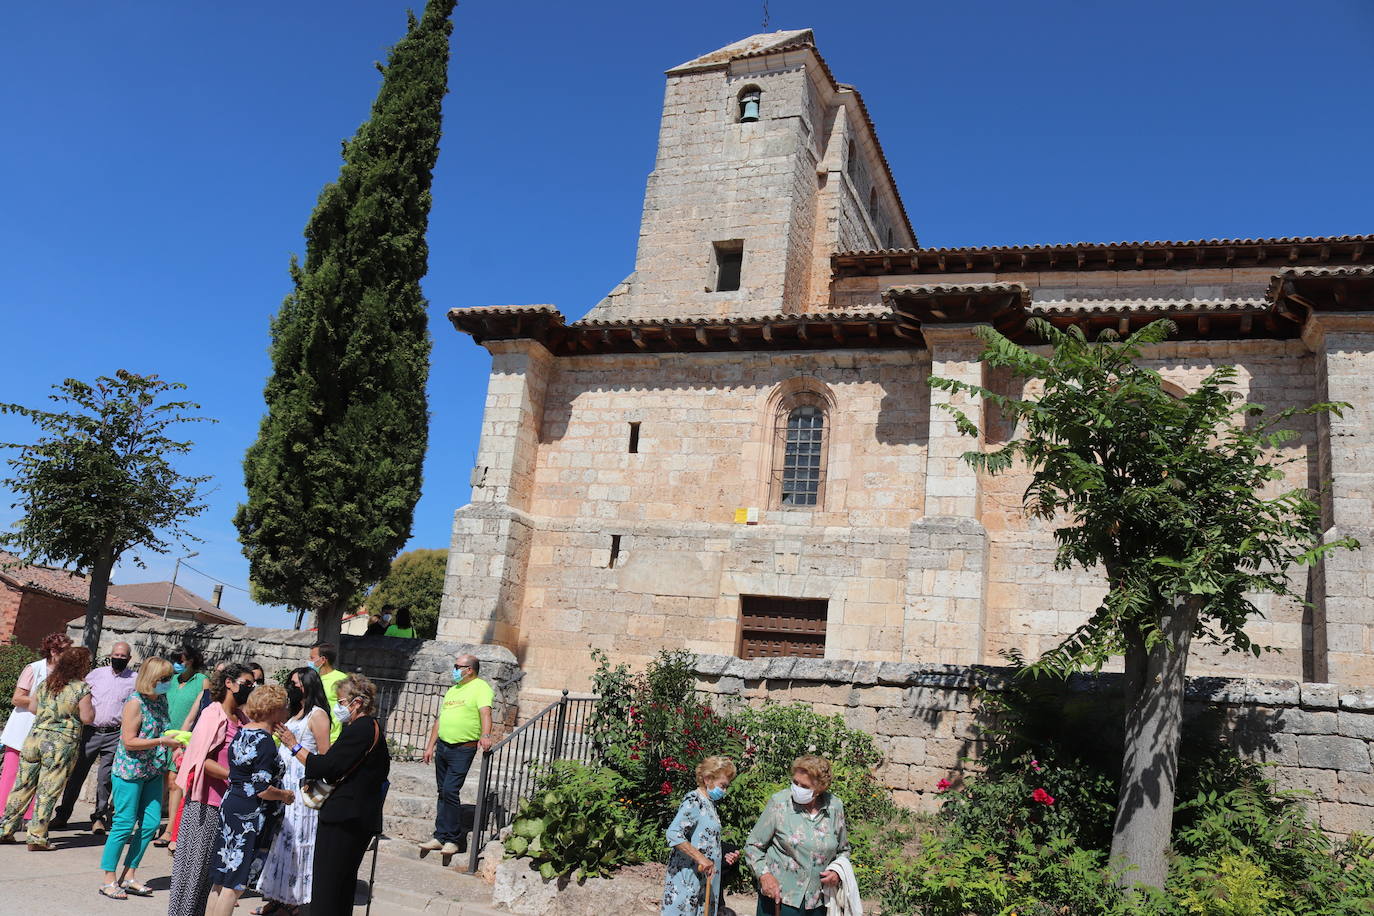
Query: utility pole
x=173, y=587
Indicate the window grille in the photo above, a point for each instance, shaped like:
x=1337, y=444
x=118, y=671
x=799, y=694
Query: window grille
x=800, y=451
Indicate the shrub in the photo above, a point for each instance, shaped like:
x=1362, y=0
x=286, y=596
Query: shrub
x=579, y=820
x=13, y=658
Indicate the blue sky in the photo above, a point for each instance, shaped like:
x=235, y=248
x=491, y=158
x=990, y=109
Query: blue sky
x=160, y=160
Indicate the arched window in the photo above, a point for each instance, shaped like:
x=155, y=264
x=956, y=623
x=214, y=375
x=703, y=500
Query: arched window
x=799, y=451
x=749, y=100
x=873, y=203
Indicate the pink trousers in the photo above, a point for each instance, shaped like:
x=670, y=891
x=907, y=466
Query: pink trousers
x=9, y=772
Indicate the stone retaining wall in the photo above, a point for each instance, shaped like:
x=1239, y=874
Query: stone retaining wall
x=425, y=664
x=1319, y=737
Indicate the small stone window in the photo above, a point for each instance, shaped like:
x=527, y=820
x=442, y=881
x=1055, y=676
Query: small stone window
x=889, y=236
x=750, y=98
x=728, y=264
x=799, y=452
x=782, y=627
x=634, y=438
x=873, y=204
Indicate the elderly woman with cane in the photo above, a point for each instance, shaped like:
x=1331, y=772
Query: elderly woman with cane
x=797, y=838
x=692, y=886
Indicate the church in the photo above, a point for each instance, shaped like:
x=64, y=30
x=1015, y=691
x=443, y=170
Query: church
x=737, y=453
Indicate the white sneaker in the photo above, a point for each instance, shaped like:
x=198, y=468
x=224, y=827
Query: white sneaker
x=449, y=849
x=430, y=845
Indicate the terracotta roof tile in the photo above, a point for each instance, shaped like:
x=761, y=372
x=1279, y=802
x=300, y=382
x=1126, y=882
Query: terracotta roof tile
x=153, y=595
x=61, y=583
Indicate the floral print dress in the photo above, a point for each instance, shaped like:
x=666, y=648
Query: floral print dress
x=254, y=767
x=697, y=823
x=795, y=846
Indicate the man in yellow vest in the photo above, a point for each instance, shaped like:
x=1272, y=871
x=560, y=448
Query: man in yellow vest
x=322, y=659
x=462, y=729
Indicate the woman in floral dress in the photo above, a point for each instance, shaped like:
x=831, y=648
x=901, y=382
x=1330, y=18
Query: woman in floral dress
x=694, y=836
x=287, y=873
x=801, y=831
x=255, y=772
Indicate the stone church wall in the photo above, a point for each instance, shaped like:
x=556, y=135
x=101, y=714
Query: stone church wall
x=1319, y=738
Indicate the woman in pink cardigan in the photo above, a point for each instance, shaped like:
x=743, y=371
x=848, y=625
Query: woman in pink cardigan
x=204, y=777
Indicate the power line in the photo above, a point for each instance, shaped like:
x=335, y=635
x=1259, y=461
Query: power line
x=214, y=579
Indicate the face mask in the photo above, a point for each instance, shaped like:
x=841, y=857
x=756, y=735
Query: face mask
x=342, y=713
x=161, y=688
x=386, y=618
x=178, y=667
x=315, y=665
x=241, y=695
x=802, y=796
x=118, y=664
x=458, y=674
x=715, y=793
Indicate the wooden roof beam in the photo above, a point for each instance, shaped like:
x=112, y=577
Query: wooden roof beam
x=701, y=336
x=638, y=339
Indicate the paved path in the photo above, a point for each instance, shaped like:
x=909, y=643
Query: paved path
x=64, y=882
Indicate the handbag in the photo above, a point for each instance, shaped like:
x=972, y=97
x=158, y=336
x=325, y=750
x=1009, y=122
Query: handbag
x=315, y=792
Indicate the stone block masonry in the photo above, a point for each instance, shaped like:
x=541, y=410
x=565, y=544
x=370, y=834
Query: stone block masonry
x=1318, y=738
x=426, y=665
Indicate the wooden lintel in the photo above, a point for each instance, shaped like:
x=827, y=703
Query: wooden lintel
x=801, y=331
x=768, y=331
x=1230, y=254
x=734, y=335
x=606, y=337
x=1325, y=253
x=1053, y=254
x=1341, y=292
x=915, y=263
x=638, y=339
x=940, y=259
x=1140, y=257
x=873, y=330
x=1111, y=257
x=1169, y=256
x=1199, y=253
x=519, y=325
x=668, y=338
x=1357, y=252
x=1293, y=253
x=968, y=262
x=1082, y=256
x=887, y=265
x=701, y=337
x=1246, y=322
x=837, y=332
x=1259, y=254
x=996, y=261
x=1204, y=324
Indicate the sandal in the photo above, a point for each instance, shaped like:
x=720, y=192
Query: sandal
x=113, y=891
x=270, y=906
x=160, y=843
x=138, y=890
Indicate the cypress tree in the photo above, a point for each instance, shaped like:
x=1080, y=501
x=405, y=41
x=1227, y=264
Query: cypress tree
x=335, y=473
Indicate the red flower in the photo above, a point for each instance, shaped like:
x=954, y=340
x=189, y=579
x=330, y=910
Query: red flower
x=666, y=788
x=943, y=785
x=1043, y=797
x=1035, y=765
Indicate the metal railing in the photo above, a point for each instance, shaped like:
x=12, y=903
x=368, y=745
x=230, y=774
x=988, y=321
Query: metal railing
x=408, y=711
x=510, y=768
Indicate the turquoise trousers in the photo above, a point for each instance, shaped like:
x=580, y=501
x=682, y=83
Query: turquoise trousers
x=137, y=812
x=769, y=907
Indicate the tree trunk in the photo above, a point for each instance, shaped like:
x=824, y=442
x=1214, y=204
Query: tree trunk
x=95, y=600
x=1149, y=765
x=329, y=624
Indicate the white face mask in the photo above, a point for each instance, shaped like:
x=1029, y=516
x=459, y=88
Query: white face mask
x=342, y=713
x=801, y=795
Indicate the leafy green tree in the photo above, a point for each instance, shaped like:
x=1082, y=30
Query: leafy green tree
x=335, y=473
x=416, y=582
x=1176, y=500
x=98, y=484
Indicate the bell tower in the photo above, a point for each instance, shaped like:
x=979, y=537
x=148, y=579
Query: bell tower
x=765, y=167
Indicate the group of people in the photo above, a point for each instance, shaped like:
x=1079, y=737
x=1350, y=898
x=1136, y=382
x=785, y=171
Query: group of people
x=799, y=848
x=260, y=780
x=390, y=621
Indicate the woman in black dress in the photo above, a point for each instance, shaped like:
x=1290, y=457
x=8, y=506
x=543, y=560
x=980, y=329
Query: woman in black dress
x=358, y=763
x=255, y=772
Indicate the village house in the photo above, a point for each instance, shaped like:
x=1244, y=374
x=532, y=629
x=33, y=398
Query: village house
x=38, y=600
x=173, y=602
x=737, y=452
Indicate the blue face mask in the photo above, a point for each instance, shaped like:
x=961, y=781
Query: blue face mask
x=716, y=793
x=458, y=674
x=178, y=667
x=315, y=665
x=162, y=687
